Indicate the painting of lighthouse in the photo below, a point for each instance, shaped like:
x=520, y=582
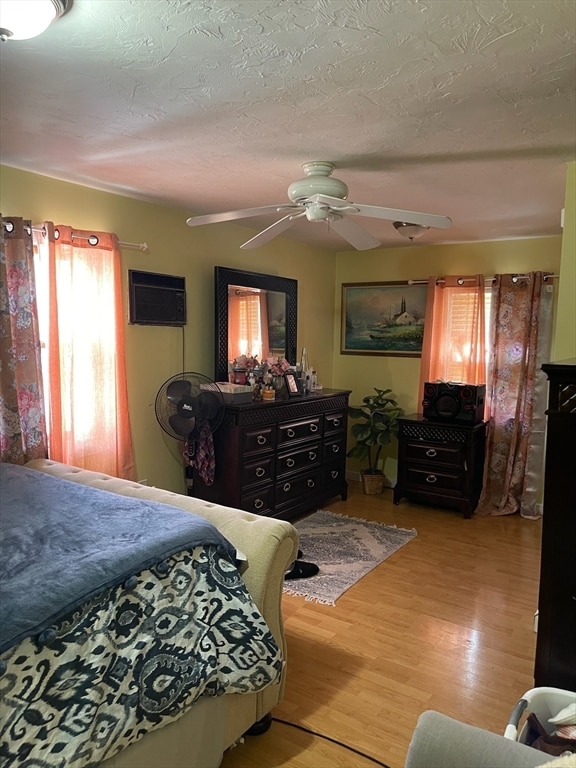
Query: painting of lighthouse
x=383, y=318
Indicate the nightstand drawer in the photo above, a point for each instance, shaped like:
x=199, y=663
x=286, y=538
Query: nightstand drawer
x=434, y=479
x=433, y=453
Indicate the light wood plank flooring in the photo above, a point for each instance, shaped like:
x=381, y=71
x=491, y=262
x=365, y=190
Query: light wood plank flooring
x=446, y=623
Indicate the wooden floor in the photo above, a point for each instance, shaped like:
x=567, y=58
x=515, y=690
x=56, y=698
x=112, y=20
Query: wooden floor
x=446, y=623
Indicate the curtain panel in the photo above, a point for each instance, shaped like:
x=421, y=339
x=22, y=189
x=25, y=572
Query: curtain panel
x=521, y=342
x=22, y=416
x=89, y=425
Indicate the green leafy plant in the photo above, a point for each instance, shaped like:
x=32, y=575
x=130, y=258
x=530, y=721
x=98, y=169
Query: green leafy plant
x=377, y=425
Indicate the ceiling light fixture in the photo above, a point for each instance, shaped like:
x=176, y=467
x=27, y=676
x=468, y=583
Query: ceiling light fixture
x=23, y=19
x=410, y=231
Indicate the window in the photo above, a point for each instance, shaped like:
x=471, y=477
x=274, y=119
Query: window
x=459, y=321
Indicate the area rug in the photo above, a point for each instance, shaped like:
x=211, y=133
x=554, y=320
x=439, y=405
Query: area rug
x=346, y=549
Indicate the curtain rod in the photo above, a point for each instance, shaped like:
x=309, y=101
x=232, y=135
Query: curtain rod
x=93, y=239
x=462, y=280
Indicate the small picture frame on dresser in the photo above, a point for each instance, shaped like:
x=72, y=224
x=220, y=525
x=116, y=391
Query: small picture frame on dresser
x=292, y=385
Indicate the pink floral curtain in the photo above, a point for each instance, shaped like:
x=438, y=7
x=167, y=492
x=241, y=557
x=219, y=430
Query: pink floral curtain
x=522, y=322
x=22, y=419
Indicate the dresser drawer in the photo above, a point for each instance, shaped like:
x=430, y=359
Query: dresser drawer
x=256, y=440
x=334, y=422
x=297, y=485
x=298, y=459
x=334, y=447
x=257, y=471
x=334, y=473
x=436, y=453
x=292, y=432
x=261, y=502
x=434, y=480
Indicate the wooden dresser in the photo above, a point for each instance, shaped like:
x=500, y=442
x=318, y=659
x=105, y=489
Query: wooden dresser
x=281, y=458
x=440, y=463
x=556, y=640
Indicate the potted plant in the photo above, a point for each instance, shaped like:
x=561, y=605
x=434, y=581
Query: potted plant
x=376, y=427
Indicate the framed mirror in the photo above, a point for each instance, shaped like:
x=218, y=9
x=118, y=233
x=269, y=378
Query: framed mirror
x=268, y=305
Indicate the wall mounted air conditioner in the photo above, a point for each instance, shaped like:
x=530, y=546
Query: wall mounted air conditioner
x=156, y=299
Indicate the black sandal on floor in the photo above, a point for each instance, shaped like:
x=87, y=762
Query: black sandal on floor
x=302, y=570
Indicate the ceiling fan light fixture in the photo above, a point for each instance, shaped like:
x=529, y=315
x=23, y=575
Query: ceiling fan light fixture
x=318, y=181
x=317, y=212
x=409, y=231
x=23, y=20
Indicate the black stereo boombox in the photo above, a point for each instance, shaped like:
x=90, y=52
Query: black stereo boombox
x=444, y=401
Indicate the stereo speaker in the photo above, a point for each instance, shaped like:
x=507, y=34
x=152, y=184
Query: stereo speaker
x=444, y=401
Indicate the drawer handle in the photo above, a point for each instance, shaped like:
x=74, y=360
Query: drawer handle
x=311, y=483
x=334, y=474
x=335, y=422
x=258, y=503
x=261, y=440
x=312, y=455
x=260, y=472
x=431, y=479
x=431, y=452
x=290, y=462
x=286, y=487
x=290, y=432
x=335, y=448
x=313, y=427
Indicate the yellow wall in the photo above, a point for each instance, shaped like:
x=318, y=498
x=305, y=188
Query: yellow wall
x=154, y=354
x=565, y=336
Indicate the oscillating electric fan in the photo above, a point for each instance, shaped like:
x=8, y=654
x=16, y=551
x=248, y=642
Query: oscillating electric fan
x=189, y=407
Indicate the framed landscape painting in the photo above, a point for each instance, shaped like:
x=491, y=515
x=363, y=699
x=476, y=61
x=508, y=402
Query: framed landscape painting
x=383, y=319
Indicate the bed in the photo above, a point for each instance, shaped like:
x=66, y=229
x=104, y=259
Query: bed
x=139, y=627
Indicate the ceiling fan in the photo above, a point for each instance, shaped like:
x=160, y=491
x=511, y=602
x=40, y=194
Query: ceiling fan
x=319, y=197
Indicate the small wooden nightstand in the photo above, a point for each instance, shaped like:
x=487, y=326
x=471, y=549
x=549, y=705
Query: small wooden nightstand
x=440, y=463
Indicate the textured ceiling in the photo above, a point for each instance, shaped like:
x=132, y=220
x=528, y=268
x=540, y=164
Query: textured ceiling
x=464, y=108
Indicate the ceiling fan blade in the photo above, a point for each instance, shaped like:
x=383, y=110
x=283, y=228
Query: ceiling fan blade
x=246, y=213
x=273, y=230
x=378, y=212
x=354, y=233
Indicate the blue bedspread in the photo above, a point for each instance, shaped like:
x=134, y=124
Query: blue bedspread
x=61, y=543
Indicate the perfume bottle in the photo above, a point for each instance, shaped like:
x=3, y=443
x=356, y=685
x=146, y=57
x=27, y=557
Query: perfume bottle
x=304, y=362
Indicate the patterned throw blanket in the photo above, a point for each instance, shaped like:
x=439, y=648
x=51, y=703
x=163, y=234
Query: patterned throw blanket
x=62, y=543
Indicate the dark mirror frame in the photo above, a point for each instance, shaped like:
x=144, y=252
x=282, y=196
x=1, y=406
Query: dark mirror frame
x=224, y=277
